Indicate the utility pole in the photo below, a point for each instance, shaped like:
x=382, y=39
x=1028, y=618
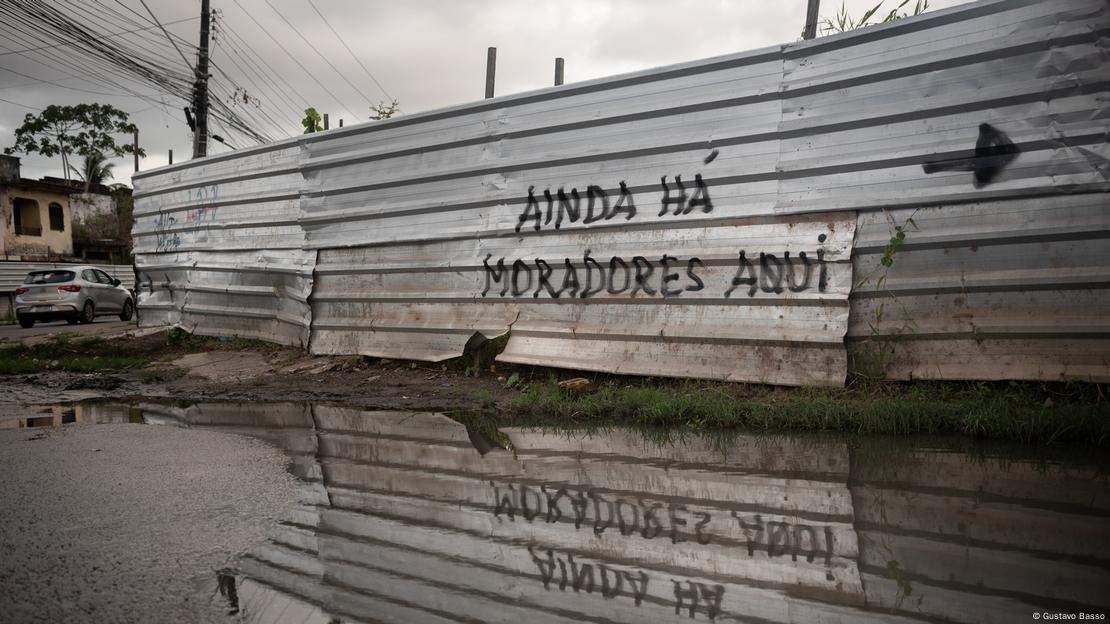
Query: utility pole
x=136, y=150
x=491, y=70
x=200, y=87
x=558, y=70
x=812, y=8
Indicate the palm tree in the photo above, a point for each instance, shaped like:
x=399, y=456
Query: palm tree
x=95, y=170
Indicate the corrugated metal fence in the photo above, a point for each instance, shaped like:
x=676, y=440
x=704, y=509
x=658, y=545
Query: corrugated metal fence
x=729, y=218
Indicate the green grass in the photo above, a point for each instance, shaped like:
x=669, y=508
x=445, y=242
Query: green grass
x=1036, y=413
x=64, y=352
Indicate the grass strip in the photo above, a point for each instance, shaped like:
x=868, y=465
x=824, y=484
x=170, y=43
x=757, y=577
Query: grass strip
x=1026, y=412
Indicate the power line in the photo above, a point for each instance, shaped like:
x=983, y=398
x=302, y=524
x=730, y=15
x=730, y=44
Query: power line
x=147, y=66
x=18, y=104
x=337, y=36
x=317, y=51
x=166, y=33
x=250, y=73
x=294, y=59
x=262, y=63
x=115, y=34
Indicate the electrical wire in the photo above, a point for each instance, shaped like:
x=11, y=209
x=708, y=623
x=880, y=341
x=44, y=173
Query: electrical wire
x=107, y=35
x=139, y=57
x=340, y=38
x=293, y=58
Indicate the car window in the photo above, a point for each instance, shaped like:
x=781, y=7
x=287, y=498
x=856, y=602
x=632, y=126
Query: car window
x=88, y=276
x=103, y=277
x=48, y=277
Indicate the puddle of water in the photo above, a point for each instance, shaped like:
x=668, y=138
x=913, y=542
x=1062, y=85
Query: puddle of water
x=410, y=517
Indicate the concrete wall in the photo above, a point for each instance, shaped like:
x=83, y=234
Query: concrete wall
x=49, y=242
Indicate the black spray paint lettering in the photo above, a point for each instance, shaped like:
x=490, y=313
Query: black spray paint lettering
x=520, y=267
x=773, y=272
x=627, y=280
x=684, y=204
x=679, y=199
x=588, y=290
x=569, y=207
x=592, y=277
x=641, y=263
x=495, y=274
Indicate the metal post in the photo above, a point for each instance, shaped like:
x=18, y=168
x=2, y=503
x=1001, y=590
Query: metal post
x=200, y=87
x=491, y=69
x=325, y=121
x=558, y=71
x=136, y=150
x=810, y=31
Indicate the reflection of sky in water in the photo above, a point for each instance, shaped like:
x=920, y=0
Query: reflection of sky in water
x=412, y=518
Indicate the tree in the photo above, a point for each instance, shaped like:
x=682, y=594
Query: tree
x=95, y=170
x=381, y=110
x=83, y=129
x=844, y=22
x=311, y=121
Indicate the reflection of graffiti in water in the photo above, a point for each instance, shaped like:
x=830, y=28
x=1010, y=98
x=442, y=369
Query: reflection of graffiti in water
x=609, y=581
x=649, y=520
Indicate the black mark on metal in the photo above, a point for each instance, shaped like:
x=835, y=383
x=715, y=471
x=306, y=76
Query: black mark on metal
x=993, y=151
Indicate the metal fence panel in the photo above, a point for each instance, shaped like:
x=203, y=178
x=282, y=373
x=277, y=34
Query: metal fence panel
x=218, y=248
x=695, y=220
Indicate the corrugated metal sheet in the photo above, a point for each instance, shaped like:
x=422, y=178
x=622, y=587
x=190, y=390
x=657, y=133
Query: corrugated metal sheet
x=218, y=249
x=439, y=230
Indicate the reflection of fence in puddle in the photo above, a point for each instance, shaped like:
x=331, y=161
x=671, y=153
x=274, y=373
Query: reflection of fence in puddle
x=408, y=522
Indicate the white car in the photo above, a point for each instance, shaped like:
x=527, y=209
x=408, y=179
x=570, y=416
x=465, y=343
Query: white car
x=77, y=294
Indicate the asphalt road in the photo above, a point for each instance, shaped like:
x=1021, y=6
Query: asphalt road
x=130, y=523
x=103, y=325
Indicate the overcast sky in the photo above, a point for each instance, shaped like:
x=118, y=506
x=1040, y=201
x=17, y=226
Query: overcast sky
x=425, y=53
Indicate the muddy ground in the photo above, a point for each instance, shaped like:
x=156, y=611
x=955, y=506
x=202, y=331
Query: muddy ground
x=193, y=368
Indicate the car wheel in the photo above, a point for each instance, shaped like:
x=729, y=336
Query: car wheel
x=128, y=310
x=88, y=313
x=26, y=323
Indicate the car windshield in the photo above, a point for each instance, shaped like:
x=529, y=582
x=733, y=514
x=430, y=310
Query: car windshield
x=48, y=277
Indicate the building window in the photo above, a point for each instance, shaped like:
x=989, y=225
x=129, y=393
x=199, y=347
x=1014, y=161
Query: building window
x=28, y=221
x=57, y=218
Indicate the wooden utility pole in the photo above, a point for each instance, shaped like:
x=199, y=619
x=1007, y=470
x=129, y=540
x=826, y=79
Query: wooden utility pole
x=171, y=157
x=558, y=70
x=200, y=87
x=812, y=8
x=491, y=70
x=326, y=121
x=136, y=150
